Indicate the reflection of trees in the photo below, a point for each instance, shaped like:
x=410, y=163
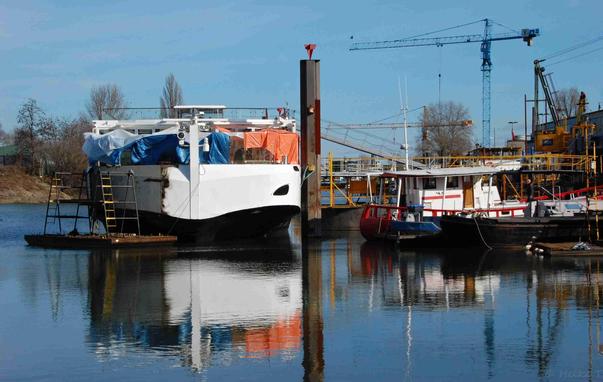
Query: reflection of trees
x=58, y=273
x=127, y=302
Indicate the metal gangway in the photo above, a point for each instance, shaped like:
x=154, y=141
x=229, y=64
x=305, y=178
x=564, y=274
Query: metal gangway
x=369, y=147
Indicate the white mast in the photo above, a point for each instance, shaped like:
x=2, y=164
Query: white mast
x=193, y=163
x=404, y=109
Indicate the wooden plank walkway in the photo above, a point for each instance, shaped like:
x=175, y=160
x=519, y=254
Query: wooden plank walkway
x=98, y=241
x=565, y=250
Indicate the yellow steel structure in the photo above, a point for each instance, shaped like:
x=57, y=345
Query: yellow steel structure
x=530, y=162
x=333, y=186
x=353, y=181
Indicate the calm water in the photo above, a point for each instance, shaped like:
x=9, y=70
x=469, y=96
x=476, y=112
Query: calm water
x=340, y=309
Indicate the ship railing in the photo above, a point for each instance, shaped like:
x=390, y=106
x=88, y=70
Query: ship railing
x=395, y=213
x=359, y=165
x=231, y=113
x=549, y=162
x=497, y=212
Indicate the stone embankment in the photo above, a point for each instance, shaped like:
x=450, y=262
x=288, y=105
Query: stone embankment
x=16, y=186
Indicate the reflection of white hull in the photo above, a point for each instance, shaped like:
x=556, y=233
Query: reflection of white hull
x=434, y=283
x=263, y=196
x=215, y=294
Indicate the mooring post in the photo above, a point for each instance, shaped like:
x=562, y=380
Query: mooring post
x=310, y=143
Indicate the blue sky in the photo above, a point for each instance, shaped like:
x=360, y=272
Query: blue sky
x=246, y=53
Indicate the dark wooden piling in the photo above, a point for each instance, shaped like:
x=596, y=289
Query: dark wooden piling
x=310, y=146
x=313, y=361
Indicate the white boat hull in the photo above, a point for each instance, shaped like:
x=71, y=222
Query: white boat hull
x=232, y=200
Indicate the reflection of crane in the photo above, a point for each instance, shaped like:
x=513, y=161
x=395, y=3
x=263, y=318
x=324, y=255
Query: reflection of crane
x=486, y=39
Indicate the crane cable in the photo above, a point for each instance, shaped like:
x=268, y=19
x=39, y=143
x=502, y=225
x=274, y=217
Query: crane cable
x=504, y=26
x=576, y=56
x=445, y=29
x=572, y=48
x=455, y=27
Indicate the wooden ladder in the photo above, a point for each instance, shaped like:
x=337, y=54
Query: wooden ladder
x=108, y=202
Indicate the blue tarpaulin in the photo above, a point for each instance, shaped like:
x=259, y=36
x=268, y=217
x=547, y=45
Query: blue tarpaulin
x=156, y=148
x=219, y=150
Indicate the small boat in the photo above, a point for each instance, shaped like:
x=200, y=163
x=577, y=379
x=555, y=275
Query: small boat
x=395, y=223
x=423, y=197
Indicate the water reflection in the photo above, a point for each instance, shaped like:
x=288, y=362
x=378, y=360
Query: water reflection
x=203, y=306
x=467, y=280
x=313, y=361
x=336, y=308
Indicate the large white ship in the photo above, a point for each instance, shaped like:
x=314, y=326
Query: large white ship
x=204, y=175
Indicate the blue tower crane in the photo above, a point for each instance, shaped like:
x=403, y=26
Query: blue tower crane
x=485, y=39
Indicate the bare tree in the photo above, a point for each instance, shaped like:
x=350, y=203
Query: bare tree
x=29, y=119
x=4, y=136
x=171, y=96
x=567, y=101
x=442, y=133
x=60, y=146
x=106, y=101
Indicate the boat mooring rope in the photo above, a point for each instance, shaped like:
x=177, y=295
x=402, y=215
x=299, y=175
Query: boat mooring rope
x=480, y=233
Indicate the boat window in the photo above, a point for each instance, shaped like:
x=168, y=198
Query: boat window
x=429, y=183
x=452, y=182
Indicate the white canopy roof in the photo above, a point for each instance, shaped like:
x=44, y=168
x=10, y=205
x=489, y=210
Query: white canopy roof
x=201, y=107
x=442, y=172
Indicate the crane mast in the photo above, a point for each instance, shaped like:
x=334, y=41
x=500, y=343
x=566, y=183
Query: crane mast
x=484, y=39
x=548, y=94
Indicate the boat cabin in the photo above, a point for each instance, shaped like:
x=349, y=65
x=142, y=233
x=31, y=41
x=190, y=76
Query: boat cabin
x=447, y=190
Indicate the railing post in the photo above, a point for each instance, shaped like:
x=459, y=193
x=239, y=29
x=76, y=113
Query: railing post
x=331, y=195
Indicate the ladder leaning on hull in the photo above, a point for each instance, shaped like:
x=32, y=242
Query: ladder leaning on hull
x=124, y=183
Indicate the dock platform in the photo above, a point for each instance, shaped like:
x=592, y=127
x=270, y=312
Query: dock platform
x=566, y=249
x=98, y=241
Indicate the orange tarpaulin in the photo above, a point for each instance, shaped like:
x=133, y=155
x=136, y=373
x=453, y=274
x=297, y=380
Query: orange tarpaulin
x=278, y=142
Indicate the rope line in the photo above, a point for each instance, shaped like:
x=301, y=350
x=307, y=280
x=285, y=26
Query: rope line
x=480, y=233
